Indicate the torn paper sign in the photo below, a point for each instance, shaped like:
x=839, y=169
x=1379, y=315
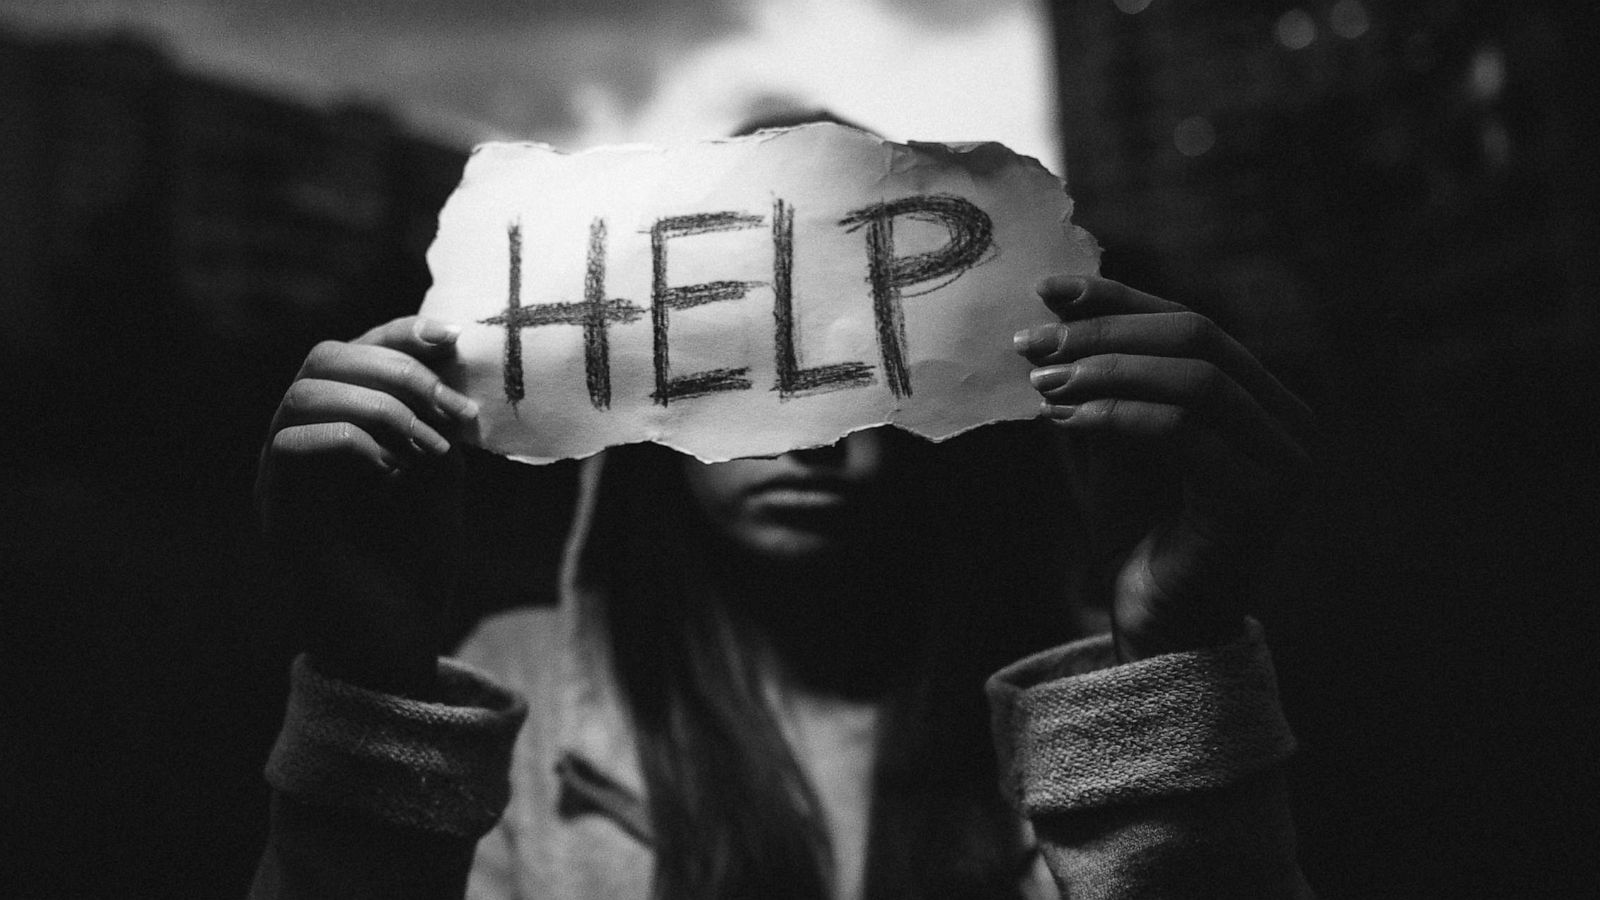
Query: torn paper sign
x=749, y=296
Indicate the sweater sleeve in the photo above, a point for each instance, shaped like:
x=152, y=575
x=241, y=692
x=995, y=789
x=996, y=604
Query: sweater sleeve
x=1159, y=778
x=383, y=796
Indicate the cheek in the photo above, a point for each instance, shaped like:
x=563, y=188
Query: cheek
x=719, y=489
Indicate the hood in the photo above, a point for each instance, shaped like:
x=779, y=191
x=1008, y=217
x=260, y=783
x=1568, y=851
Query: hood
x=593, y=720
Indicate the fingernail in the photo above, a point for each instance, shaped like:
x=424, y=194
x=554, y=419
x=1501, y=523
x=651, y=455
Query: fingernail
x=1058, y=413
x=1039, y=335
x=455, y=404
x=435, y=444
x=429, y=331
x=1050, y=377
x=1065, y=288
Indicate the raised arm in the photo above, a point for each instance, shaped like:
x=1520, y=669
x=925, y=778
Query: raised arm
x=391, y=764
x=1149, y=760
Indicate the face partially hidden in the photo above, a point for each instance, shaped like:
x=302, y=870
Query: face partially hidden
x=802, y=506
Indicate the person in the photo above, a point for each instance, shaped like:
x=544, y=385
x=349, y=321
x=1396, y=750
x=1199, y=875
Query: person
x=766, y=677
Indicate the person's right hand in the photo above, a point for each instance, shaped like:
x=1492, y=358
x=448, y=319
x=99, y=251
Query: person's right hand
x=359, y=495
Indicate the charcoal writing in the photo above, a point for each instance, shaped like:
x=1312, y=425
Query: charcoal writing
x=889, y=277
x=793, y=381
x=971, y=235
x=595, y=313
x=664, y=298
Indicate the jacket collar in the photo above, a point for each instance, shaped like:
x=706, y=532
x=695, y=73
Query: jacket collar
x=592, y=722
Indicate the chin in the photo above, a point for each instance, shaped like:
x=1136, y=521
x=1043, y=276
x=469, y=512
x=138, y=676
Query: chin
x=791, y=546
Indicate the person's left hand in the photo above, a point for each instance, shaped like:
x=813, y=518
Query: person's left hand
x=1148, y=373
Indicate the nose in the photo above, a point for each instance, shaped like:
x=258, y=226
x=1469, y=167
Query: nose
x=858, y=455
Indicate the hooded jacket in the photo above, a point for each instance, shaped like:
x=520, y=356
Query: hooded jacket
x=1159, y=778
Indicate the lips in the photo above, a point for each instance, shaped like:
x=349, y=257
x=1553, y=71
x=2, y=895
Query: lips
x=801, y=495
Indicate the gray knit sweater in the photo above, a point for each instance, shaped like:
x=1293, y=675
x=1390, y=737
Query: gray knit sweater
x=1159, y=778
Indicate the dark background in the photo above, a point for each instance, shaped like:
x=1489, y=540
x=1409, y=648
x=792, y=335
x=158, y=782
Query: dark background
x=1399, y=215
x=1403, y=224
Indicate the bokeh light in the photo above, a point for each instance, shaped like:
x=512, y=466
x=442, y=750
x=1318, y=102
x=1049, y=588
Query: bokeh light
x=1349, y=19
x=1296, y=29
x=1194, y=136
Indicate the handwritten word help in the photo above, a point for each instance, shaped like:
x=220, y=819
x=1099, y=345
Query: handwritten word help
x=744, y=296
x=888, y=276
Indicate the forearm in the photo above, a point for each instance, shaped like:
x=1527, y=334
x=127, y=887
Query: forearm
x=1154, y=779
x=317, y=852
x=382, y=796
x=1228, y=842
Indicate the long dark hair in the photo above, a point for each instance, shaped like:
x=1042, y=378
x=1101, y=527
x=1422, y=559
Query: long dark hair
x=967, y=563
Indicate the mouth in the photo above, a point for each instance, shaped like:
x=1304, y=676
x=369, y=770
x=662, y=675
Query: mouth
x=801, y=495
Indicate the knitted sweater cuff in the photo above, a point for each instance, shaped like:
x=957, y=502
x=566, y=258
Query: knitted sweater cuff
x=1076, y=731
x=439, y=767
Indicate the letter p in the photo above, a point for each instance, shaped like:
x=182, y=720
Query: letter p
x=971, y=235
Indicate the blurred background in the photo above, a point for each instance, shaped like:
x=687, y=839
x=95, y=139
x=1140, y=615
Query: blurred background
x=1392, y=201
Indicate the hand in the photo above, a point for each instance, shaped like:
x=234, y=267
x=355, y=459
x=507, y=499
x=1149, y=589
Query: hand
x=359, y=495
x=1138, y=378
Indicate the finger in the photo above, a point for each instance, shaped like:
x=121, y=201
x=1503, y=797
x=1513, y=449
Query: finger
x=1193, y=384
x=417, y=336
x=1081, y=296
x=316, y=445
x=1144, y=420
x=312, y=401
x=394, y=372
x=427, y=339
x=1180, y=334
x=1073, y=297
